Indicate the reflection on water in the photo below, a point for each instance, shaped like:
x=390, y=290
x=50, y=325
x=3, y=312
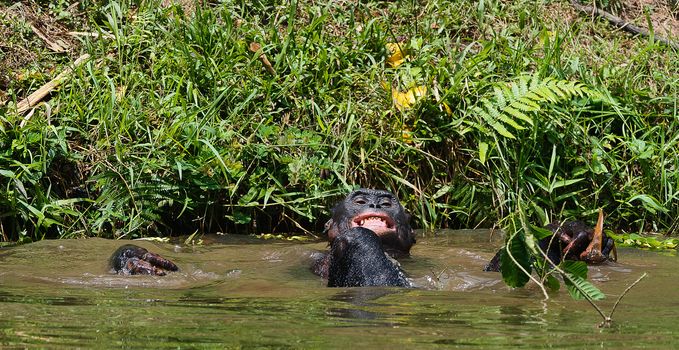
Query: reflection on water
x=358, y=299
x=237, y=291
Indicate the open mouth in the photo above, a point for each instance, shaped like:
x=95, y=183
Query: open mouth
x=379, y=223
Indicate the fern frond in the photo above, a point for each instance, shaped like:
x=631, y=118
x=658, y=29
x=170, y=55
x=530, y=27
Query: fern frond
x=493, y=123
x=523, y=85
x=501, y=116
x=547, y=93
x=500, y=97
x=518, y=114
x=509, y=106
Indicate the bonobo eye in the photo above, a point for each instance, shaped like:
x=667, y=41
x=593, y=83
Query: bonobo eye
x=360, y=201
x=385, y=203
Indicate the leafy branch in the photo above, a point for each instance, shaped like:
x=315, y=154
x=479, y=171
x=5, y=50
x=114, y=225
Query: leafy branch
x=574, y=274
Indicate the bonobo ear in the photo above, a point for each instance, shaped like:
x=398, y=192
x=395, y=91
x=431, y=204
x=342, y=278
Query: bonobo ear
x=330, y=229
x=327, y=226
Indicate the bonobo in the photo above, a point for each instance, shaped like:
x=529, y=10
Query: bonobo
x=377, y=211
x=357, y=259
x=133, y=260
x=572, y=240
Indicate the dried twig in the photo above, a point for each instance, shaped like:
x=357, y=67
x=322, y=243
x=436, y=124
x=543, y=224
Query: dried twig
x=622, y=24
x=609, y=320
x=92, y=34
x=256, y=47
x=37, y=96
x=56, y=46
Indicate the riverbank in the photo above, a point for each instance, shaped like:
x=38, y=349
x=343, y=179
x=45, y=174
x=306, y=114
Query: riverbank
x=230, y=116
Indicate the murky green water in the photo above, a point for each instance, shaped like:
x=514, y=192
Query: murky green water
x=239, y=292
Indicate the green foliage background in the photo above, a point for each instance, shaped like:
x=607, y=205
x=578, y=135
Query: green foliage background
x=174, y=126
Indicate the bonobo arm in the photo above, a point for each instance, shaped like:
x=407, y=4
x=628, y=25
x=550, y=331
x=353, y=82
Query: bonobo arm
x=357, y=259
x=134, y=260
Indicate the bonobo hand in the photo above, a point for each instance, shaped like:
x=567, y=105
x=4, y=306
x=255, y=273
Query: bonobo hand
x=572, y=240
x=581, y=242
x=133, y=260
x=358, y=260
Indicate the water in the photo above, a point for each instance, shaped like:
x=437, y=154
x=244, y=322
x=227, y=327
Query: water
x=241, y=292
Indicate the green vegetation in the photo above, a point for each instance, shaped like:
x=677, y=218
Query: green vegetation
x=502, y=113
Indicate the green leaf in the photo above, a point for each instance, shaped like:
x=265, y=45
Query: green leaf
x=578, y=287
x=441, y=192
x=552, y=283
x=502, y=130
x=649, y=203
x=598, y=167
x=518, y=114
x=239, y=217
x=540, y=232
x=519, y=105
x=510, y=122
x=511, y=273
x=576, y=282
x=563, y=183
x=7, y=173
x=499, y=97
x=483, y=151
x=577, y=268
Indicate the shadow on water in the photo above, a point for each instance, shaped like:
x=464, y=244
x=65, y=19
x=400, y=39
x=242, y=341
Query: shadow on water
x=236, y=291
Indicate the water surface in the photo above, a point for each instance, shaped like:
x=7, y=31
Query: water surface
x=238, y=291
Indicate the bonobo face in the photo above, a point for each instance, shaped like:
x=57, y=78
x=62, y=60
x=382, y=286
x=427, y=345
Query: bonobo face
x=378, y=211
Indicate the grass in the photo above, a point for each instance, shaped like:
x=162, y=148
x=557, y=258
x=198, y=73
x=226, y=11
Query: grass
x=174, y=125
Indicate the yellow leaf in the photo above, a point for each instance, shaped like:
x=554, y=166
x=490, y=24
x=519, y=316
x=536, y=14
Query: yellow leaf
x=407, y=135
x=405, y=100
x=396, y=56
x=447, y=108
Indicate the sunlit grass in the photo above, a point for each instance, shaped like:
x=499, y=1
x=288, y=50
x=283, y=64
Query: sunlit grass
x=174, y=125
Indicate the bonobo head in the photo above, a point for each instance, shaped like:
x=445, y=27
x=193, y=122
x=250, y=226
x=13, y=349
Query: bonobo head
x=358, y=260
x=376, y=210
x=130, y=259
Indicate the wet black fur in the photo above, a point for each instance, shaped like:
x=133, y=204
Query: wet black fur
x=357, y=259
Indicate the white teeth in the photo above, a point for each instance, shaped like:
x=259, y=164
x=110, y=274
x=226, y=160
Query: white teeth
x=373, y=221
